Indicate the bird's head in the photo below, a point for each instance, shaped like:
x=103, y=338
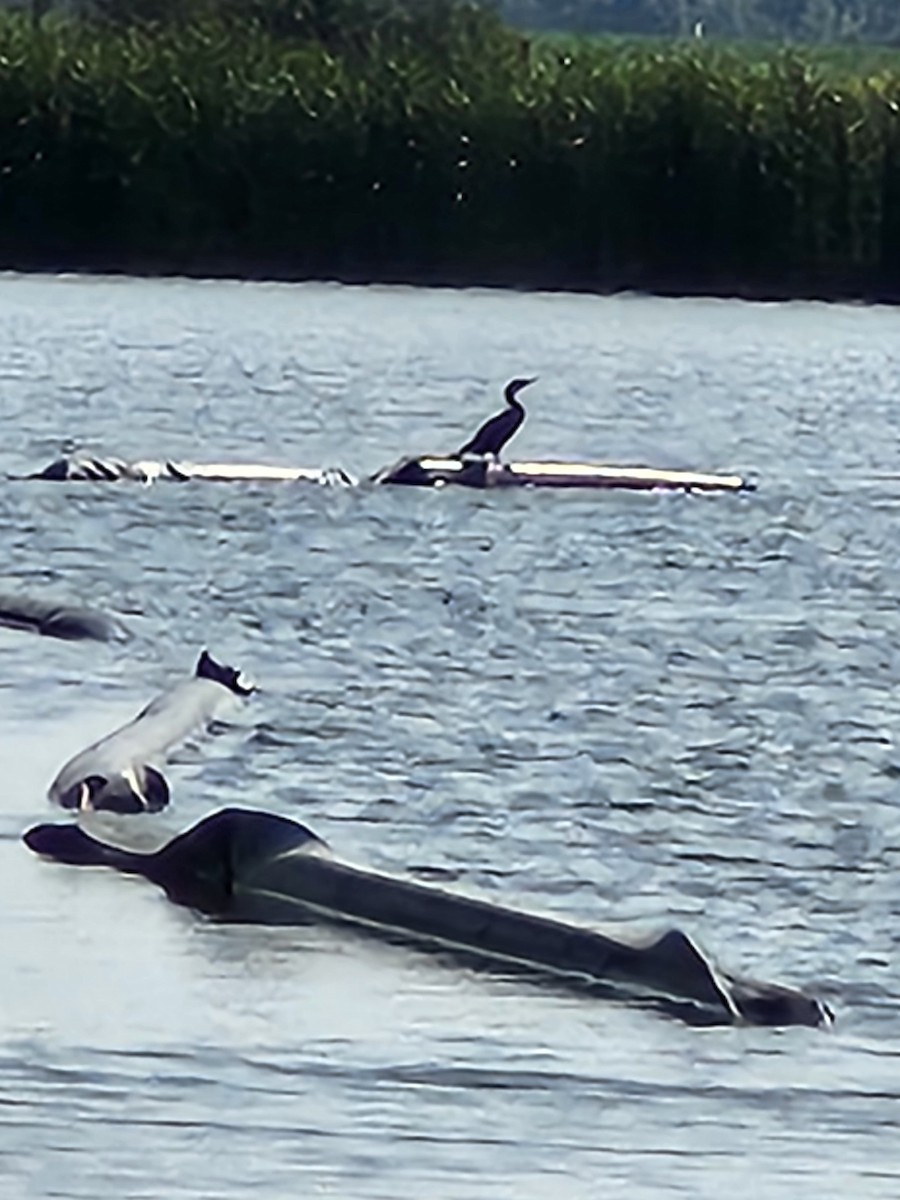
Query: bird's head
x=517, y=385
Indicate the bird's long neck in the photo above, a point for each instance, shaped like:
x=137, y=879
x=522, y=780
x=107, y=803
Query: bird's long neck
x=510, y=394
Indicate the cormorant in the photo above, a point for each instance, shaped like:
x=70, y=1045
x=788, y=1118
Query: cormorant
x=495, y=433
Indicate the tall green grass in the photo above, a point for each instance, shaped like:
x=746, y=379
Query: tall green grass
x=468, y=156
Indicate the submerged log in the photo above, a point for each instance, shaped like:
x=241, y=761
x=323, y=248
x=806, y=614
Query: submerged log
x=257, y=472
x=249, y=866
x=429, y=471
x=87, y=468
x=121, y=772
x=69, y=622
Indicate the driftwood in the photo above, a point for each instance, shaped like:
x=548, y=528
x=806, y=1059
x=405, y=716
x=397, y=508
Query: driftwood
x=243, y=865
x=87, y=468
x=70, y=622
x=485, y=472
x=120, y=773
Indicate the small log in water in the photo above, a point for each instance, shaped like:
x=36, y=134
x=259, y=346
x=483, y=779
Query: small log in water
x=80, y=468
x=52, y=619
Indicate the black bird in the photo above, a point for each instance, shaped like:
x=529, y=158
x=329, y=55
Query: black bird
x=495, y=433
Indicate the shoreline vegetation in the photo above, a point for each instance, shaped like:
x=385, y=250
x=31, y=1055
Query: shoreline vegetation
x=435, y=145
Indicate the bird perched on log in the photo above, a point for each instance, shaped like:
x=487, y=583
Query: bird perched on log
x=495, y=433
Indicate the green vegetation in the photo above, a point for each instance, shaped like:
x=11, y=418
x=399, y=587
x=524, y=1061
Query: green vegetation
x=821, y=21
x=437, y=145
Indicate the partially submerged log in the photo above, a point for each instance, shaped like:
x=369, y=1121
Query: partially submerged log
x=69, y=622
x=121, y=772
x=430, y=471
x=423, y=471
x=257, y=472
x=87, y=468
x=249, y=866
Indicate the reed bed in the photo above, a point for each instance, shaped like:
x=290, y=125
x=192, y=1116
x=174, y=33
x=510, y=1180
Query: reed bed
x=476, y=157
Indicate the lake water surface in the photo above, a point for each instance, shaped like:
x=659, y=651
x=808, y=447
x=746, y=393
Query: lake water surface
x=629, y=710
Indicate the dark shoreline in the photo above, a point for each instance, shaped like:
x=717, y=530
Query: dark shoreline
x=837, y=289
x=220, y=152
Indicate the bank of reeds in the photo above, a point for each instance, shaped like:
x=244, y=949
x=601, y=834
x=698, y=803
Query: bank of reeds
x=478, y=158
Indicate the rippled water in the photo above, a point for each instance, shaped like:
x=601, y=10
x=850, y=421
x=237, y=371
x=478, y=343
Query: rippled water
x=636, y=708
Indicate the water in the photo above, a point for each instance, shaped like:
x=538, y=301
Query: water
x=630, y=710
